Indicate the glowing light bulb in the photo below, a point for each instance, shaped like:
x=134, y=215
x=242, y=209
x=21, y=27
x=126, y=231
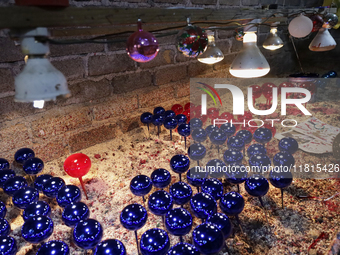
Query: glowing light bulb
x=212, y=54
x=38, y=104
x=273, y=41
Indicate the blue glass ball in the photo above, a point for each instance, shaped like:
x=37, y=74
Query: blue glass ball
x=3, y=210
x=195, y=178
x=161, y=178
x=181, y=119
x=23, y=154
x=183, y=249
x=228, y=128
x=180, y=192
x=256, y=185
x=197, y=151
x=36, y=229
x=133, y=217
x=87, y=234
x=14, y=184
x=170, y=123
x=199, y=135
x=179, y=163
x=160, y=202
x=178, y=222
x=154, y=242
x=8, y=245
x=232, y=156
x=159, y=110
x=33, y=166
x=68, y=194
x=235, y=143
x=263, y=135
x=41, y=180
x=203, y=205
x=195, y=123
x=140, y=185
x=260, y=163
x=146, y=118
x=222, y=222
x=183, y=130
x=39, y=208
x=5, y=228
x=232, y=203
x=237, y=173
x=215, y=168
x=209, y=129
x=52, y=186
x=23, y=197
x=208, y=238
x=288, y=144
x=213, y=187
x=54, y=247
x=5, y=174
x=158, y=120
x=74, y=213
x=246, y=135
x=169, y=114
x=4, y=164
x=110, y=246
x=284, y=159
x=256, y=148
x=279, y=178
x=218, y=137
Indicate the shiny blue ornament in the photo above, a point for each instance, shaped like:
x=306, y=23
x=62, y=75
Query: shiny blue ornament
x=215, y=168
x=222, y=222
x=54, y=247
x=284, y=159
x=68, y=194
x=5, y=174
x=288, y=144
x=14, y=184
x=140, y=185
x=4, y=164
x=3, y=210
x=23, y=154
x=260, y=163
x=195, y=178
x=179, y=163
x=178, y=222
x=332, y=74
x=183, y=130
x=170, y=123
x=160, y=202
x=213, y=187
x=279, y=178
x=208, y=238
x=183, y=249
x=199, y=135
x=203, y=205
x=159, y=111
x=87, y=234
x=39, y=208
x=218, y=137
x=195, y=123
x=5, y=228
x=33, y=166
x=52, y=186
x=196, y=151
x=8, y=245
x=36, y=229
x=235, y=143
x=161, y=178
x=209, y=129
x=41, y=180
x=133, y=217
x=256, y=185
x=246, y=135
x=236, y=174
x=74, y=213
x=180, y=192
x=232, y=156
x=146, y=118
x=232, y=203
x=154, y=242
x=228, y=128
x=23, y=197
x=181, y=119
x=158, y=120
x=110, y=247
x=263, y=135
x=169, y=114
x=256, y=148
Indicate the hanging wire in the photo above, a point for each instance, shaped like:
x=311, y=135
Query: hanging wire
x=296, y=53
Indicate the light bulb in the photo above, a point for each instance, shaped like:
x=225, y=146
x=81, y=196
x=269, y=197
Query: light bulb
x=38, y=104
x=212, y=54
x=273, y=41
x=323, y=41
x=300, y=27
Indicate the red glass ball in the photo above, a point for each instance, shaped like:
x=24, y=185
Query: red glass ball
x=317, y=22
x=77, y=165
x=177, y=108
x=257, y=91
x=213, y=113
x=285, y=85
x=187, y=114
x=189, y=106
x=203, y=118
x=226, y=116
x=267, y=90
x=246, y=116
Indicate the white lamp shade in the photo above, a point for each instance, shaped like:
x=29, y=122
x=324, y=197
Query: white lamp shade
x=273, y=41
x=39, y=80
x=212, y=55
x=323, y=41
x=301, y=26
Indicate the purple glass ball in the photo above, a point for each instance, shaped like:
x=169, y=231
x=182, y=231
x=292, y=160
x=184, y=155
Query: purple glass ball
x=23, y=197
x=36, y=229
x=52, y=186
x=5, y=174
x=54, y=247
x=87, y=234
x=213, y=187
x=68, y=194
x=232, y=203
x=8, y=245
x=154, y=242
x=23, y=154
x=33, y=166
x=3, y=210
x=14, y=184
x=41, y=180
x=39, y=208
x=256, y=185
x=73, y=213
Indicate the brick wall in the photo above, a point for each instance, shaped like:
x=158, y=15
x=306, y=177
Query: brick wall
x=110, y=91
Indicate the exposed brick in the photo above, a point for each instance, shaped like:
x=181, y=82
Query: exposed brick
x=164, y=57
x=116, y=107
x=92, y=136
x=75, y=49
x=119, y=45
x=6, y=80
x=169, y=74
x=198, y=68
x=181, y=58
x=51, y=149
x=167, y=40
x=71, y=68
x=155, y=96
x=10, y=52
x=129, y=123
x=231, y=2
x=55, y=125
x=236, y=46
x=129, y=82
x=106, y=64
x=224, y=46
x=12, y=110
x=210, y=2
x=182, y=89
x=250, y=2
x=224, y=34
x=14, y=137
